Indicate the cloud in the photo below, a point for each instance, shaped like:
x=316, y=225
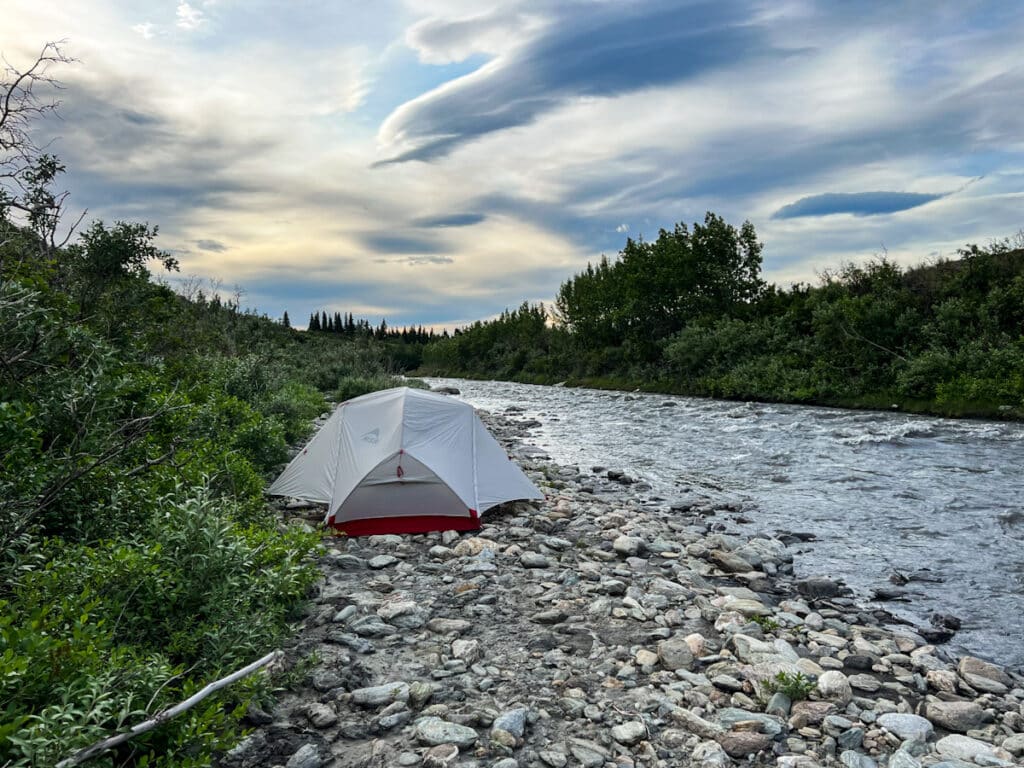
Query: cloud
x=622, y=228
x=146, y=30
x=450, y=220
x=211, y=245
x=611, y=48
x=189, y=18
x=856, y=203
x=417, y=260
x=399, y=243
x=443, y=41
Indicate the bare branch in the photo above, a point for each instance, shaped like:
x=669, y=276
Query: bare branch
x=80, y=757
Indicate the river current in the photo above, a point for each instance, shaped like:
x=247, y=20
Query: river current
x=882, y=492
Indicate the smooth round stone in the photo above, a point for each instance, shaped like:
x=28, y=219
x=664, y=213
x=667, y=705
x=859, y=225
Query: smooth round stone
x=958, y=716
x=834, y=686
x=629, y=733
x=907, y=727
x=435, y=731
x=534, y=560
x=965, y=748
x=864, y=683
x=382, y=561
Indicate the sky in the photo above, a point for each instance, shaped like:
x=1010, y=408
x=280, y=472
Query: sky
x=436, y=162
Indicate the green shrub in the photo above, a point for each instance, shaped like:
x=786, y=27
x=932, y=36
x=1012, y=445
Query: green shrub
x=354, y=386
x=796, y=686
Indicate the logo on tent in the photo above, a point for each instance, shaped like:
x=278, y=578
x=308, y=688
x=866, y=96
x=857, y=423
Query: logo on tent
x=372, y=436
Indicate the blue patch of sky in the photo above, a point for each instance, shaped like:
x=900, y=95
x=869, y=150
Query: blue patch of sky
x=401, y=77
x=856, y=203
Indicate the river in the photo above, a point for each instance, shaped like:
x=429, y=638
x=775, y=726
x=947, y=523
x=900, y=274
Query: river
x=882, y=492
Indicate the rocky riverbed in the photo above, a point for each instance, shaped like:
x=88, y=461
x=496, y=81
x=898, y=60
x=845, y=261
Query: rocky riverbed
x=601, y=628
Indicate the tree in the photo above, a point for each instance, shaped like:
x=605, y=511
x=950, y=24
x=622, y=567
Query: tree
x=27, y=172
x=654, y=289
x=285, y=321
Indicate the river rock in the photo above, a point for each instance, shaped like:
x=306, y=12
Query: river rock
x=834, y=686
x=739, y=744
x=589, y=753
x=628, y=546
x=321, y=715
x=534, y=560
x=817, y=587
x=675, y=653
x=378, y=695
x=852, y=759
x=810, y=712
x=629, y=733
x=382, y=561
x=958, y=716
x=965, y=748
x=466, y=650
x=434, y=731
x=779, y=705
x=729, y=562
x=448, y=626
x=754, y=651
x=694, y=723
x=307, y=756
x=730, y=717
x=983, y=675
x=441, y=756
x=901, y=759
x=907, y=727
x=473, y=546
x=512, y=721
x=1014, y=744
x=709, y=754
x=864, y=683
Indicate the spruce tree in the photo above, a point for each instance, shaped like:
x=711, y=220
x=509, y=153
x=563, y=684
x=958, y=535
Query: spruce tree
x=285, y=321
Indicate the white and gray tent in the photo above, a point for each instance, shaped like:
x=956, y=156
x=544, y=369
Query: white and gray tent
x=404, y=461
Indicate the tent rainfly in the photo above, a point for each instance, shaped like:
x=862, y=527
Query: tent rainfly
x=404, y=461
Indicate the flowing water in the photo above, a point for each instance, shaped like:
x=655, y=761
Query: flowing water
x=882, y=492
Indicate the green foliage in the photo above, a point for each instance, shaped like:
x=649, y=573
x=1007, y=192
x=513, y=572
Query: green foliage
x=354, y=386
x=795, y=686
x=944, y=338
x=138, y=559
x=654, y=289
x=767, y=623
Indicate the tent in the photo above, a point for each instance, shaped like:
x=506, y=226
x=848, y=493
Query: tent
x=404, y=461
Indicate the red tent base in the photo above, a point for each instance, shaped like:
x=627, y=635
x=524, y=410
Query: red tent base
x=417, y=524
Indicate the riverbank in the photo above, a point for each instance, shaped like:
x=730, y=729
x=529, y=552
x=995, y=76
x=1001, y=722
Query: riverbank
x=595, y=629
x=888, y=402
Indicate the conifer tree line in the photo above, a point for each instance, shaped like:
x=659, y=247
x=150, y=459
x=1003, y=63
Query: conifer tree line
x=345, y=325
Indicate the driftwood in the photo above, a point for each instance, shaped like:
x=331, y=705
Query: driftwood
x=162, y=717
